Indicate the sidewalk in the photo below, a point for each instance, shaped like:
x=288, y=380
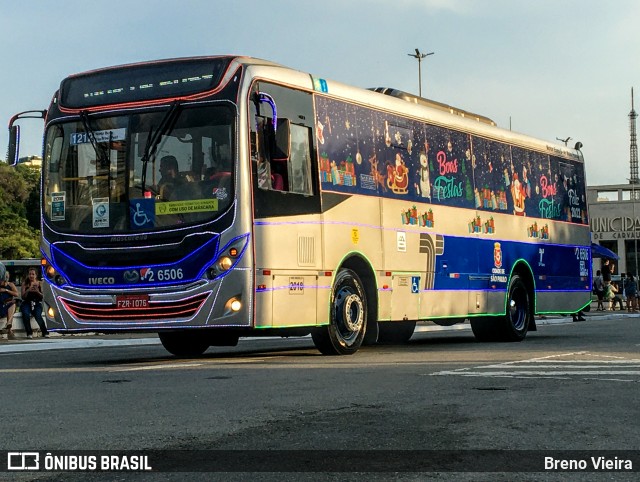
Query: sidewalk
x=21, y=336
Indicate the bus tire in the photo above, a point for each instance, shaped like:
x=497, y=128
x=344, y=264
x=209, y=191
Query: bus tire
x=395, y=333
x=348, y=317
x=184, y=344
x=514, y=324
x=223, y=338
x=448, y=321
x=485, y=328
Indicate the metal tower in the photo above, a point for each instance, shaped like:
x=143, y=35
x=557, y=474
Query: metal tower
x=633, y=155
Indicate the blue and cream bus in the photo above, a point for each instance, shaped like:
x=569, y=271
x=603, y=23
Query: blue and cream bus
x=296, y=205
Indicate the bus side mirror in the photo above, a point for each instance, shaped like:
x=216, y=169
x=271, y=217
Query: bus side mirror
x=13, y=152
x=14, y=145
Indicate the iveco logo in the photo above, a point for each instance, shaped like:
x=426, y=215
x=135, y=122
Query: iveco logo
x=131, y=276
x=107, y=280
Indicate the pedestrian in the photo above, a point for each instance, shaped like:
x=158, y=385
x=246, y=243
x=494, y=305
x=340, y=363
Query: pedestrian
x=632, y=293
x=617, y=296
x=607, y=270
x=610, y=292
x=8, y=294
x=598, y=287
x=579, y=316
x=32, y=303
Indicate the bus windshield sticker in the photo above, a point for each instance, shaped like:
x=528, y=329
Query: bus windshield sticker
x=219, y=193
x=186, y=207
x=100, y=136
x=142, y=213
x=100, y=212
x=58, y=206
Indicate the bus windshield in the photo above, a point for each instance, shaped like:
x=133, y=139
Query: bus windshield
x=97, y=179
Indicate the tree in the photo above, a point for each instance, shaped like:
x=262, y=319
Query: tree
x=20, y=215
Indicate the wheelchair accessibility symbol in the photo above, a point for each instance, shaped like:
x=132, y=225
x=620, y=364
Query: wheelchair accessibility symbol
x=141, y=213
x=415, y=284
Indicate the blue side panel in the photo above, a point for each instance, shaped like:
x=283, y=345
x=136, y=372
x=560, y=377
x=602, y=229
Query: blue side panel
x=471, y=263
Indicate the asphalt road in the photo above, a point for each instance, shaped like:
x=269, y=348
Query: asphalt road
x=279, y=405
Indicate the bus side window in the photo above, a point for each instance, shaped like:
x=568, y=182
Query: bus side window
x=300, y=160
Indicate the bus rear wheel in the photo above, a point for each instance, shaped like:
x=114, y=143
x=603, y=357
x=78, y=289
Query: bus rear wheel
x=184, y=344
x=513, y=326
x=348, y=318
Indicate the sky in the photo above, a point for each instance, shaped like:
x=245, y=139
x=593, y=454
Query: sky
x=547, y=68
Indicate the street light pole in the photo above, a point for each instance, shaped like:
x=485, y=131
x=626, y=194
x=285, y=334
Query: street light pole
x=418, y=55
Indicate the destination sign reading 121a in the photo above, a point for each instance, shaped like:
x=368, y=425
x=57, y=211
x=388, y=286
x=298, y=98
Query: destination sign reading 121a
x=109, y=135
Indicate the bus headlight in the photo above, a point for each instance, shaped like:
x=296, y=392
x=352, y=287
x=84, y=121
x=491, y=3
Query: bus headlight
x=227, y=257
x=222, y=265
x=225, y=263
x=52, y=274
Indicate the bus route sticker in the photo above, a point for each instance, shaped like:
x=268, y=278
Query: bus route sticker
x=58, y=202
x=296, y=285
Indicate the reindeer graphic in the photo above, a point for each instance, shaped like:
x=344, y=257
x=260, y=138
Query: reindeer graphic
x=378, y=177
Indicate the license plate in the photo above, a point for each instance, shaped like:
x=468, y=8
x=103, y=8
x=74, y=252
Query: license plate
x=124, y=302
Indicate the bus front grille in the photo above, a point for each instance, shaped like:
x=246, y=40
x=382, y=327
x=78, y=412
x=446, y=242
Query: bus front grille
x=154, y=310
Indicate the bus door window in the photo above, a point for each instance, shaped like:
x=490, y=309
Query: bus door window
x=291, y=158
x=268, y=175
x=280, y=153
x=283, y=156
x=300, y=160
x=283, y=151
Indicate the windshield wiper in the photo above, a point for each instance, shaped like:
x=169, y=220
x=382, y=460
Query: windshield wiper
x=101, y=153
x=154, y=139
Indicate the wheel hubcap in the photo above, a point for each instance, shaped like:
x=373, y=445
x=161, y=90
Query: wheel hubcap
x=517, y=307
x=352, y=313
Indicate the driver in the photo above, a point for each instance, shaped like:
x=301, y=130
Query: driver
x=170, y=177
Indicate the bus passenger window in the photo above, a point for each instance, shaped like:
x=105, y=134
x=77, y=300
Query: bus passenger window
x=300, y=160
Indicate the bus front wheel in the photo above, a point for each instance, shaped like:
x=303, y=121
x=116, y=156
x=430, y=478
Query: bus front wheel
x=396, y=333
x=348, y=318
x=184, y=344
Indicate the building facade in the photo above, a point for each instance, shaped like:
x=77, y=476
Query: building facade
x=614, y=212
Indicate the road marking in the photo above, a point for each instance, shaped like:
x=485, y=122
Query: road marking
x=581, y=365
x=158, y=367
